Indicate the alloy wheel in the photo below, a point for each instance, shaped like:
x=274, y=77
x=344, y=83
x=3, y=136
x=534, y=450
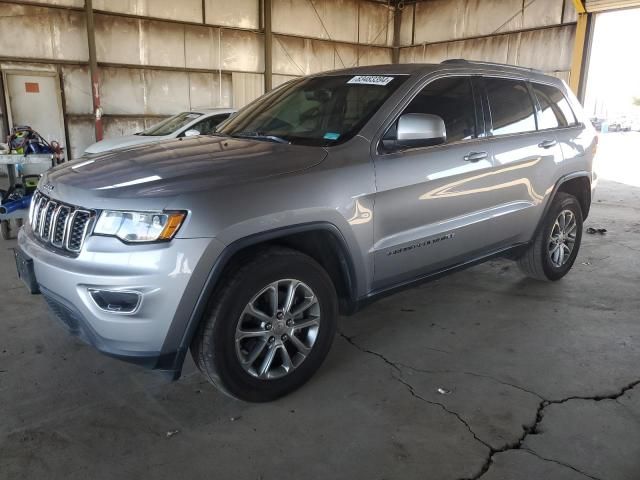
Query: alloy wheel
x=277, y=329
x=562, y=238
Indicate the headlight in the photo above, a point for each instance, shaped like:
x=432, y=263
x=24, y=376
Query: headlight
x=139, y=227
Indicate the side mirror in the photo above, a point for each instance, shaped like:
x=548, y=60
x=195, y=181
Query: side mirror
x=419, y=130
x=191, y=133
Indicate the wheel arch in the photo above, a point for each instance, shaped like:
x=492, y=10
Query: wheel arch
x=577, y=184
x=322, y=241
x=580, y=187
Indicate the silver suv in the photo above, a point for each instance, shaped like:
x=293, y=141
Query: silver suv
x=322, y=195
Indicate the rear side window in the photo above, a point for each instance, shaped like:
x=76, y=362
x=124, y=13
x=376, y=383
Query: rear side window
x=555, y=109
x=452, y=100
x=510, y=105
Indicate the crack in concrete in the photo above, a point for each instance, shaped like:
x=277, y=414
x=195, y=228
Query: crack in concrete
x=531, y=429
x=558, y=462
x=627, y=246
x=473, y=374
x=412, y=390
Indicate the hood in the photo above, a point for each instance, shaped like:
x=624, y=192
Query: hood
x=120, y=142
x=174, y=167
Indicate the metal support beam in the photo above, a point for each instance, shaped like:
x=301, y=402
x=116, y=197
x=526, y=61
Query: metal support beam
x=93, y=70
x=4, y=113
x=580, y=7
x=397, y=23
x=268, y=45
x=65, y=119
x=579, y=59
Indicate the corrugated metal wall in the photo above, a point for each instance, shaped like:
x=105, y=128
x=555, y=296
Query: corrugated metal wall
x=608, y=5
x=319, y=35
x=149, y=67
x=157, y=57
x=529, y=33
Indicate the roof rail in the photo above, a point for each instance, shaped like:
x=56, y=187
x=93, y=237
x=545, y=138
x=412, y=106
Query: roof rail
x=462, y=61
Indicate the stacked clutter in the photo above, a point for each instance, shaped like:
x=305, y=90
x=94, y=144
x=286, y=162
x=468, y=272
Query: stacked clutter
x=24, y=140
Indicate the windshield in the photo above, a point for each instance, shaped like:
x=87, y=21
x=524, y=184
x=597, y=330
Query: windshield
x=171, y=124
x=313, y=111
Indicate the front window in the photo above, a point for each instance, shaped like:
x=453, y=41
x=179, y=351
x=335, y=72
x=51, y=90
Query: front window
x=171, y=124
x=451, y=99
x=316, y=111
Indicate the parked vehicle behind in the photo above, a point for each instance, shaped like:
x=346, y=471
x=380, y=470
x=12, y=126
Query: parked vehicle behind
x=316, y=199
x=184, y=124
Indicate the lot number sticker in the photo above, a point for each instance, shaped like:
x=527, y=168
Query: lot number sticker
x=370, y=80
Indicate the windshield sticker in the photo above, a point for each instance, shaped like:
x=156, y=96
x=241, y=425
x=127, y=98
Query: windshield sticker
x=331, y=136
x=370, y=80
x=193, y=115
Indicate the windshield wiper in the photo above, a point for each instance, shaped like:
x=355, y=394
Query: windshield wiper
x=260, y=136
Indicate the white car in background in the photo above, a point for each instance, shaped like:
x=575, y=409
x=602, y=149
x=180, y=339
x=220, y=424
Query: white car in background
x=185, y=124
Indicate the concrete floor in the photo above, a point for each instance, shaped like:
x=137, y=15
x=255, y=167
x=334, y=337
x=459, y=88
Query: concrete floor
x=539, y=381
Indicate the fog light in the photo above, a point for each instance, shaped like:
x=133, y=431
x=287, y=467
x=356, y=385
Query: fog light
x=114, y=301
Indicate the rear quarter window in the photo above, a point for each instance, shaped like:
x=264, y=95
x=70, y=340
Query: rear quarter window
x=555, y=110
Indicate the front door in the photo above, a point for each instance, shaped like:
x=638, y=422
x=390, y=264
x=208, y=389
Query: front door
x=433, y=204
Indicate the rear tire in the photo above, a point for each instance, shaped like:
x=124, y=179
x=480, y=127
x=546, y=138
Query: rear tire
x=242, y=322
x=555, y=247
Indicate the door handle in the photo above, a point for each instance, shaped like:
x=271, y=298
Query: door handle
x=475, y=156
x=547, y=143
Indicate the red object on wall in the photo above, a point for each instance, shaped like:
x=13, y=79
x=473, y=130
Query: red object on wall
x=32, y=87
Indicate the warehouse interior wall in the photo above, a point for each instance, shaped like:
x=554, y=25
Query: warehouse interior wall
x=530, y=33
x=158, y=57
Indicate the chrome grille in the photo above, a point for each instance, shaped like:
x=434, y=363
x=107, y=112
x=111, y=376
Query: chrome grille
x=63, y=226
x=59, y=224
x=45, y=226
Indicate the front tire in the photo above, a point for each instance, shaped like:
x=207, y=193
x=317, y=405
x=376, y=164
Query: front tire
x=555, y=246
x=269, y=328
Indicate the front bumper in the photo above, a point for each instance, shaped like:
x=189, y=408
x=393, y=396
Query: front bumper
x=162, y=273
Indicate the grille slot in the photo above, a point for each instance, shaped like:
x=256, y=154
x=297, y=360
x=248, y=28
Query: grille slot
x=45, y=227
x=63, y=226
x=59, y=224
x=78, y=230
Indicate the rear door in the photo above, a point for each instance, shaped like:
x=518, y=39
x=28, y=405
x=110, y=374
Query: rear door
x=521, y=154
x=433, y=203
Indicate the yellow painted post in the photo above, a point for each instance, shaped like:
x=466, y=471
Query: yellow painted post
x=579, y=4
x=579, y=43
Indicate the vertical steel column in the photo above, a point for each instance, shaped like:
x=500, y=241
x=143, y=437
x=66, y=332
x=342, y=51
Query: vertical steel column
x=5, y=111
x=93, y=69
x=579, y=59
x=397, y=23
x=268, y=44
x=65, y=120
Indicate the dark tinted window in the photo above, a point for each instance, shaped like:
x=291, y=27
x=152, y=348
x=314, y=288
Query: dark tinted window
x=208, y=125
x=323, y=110
x=171, y=124
x=556, y=111
x=511, y=106
x=452, y=100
